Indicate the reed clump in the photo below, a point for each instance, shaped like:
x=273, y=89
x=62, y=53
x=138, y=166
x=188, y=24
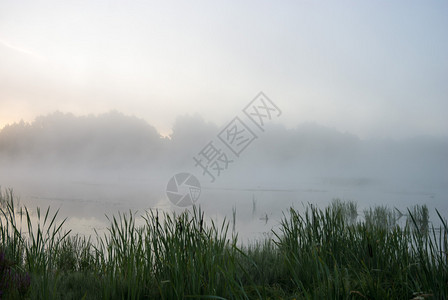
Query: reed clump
x=317, y=253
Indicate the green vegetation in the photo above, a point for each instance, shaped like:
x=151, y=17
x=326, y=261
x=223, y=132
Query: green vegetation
x=317, y=254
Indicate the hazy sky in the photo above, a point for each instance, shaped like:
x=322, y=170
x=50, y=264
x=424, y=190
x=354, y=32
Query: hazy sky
x=375, y=69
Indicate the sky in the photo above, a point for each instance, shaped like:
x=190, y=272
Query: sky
x=377, y=69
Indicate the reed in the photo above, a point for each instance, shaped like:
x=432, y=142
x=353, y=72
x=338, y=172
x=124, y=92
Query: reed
x=325, y=253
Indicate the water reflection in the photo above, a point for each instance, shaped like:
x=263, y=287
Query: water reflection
x=251, y=211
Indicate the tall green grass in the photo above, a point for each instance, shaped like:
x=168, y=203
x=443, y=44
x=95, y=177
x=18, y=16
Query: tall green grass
x=317, y=254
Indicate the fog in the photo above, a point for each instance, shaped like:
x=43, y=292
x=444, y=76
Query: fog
x=89, y=166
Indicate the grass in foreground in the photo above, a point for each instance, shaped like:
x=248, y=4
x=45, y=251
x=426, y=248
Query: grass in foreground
x=317, y=254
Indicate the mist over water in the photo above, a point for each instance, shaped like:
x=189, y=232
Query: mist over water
x=93, y=166
x=370, y=75
x=173, y=149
